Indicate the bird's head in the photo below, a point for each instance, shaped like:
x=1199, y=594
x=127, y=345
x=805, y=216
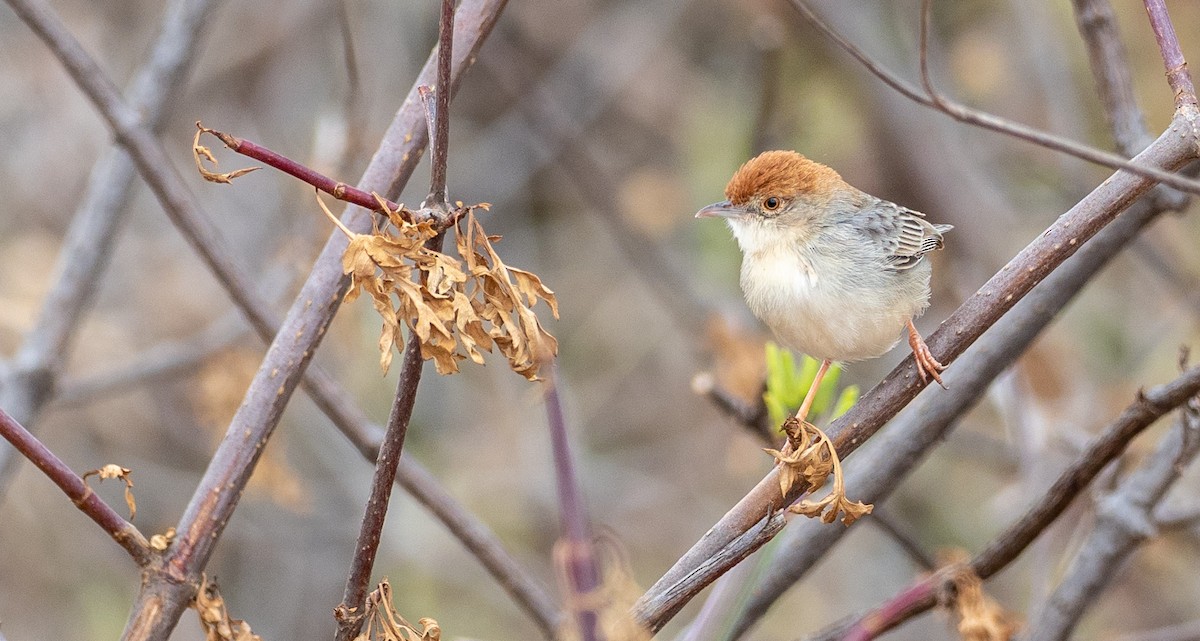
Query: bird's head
x=776, y=196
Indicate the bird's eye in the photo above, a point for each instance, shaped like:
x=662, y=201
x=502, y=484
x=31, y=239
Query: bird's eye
x=771, y=204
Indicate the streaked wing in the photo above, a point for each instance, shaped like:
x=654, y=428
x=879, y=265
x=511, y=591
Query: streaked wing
x=903, y=233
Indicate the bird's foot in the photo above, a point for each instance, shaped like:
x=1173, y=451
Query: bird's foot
x=927, y=365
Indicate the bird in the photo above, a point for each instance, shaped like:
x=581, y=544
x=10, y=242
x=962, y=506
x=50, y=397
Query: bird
x=834, y=272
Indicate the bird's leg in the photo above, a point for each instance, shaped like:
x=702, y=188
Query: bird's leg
x=927, y=365
x=802, y=413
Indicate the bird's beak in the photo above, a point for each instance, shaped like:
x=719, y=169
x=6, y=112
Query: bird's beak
x=723, y=209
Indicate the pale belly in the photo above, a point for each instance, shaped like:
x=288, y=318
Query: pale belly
x=844, y=319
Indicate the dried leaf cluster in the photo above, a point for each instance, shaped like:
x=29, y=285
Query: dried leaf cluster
x=458, y=308
x=214, y=616
x=384, y=623
x=612, y=602
x=112, y=471
x=809, y=455
x=980, y=617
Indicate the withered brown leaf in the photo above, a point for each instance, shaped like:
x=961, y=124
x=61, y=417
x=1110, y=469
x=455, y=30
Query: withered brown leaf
x=112, y=471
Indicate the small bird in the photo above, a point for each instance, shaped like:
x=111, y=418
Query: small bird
x=835, y=273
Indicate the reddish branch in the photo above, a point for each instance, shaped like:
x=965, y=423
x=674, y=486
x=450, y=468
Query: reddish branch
x=575, y=552
x=122, y=531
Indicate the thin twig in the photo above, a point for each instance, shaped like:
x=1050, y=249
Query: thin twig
x=122, y=531
x=350, y=614
x=1178, y=76
x=440, y=136
x=994, y=123
x=87, y=247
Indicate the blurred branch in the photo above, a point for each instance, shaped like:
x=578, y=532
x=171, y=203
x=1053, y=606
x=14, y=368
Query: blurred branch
x=1187, y=631
x=351, y=614
x=882, y=518
x=166, y=360
x=1147, y=408
x=122, y=531
x=90, y=236
x=575, y=552
x=991, y=122
x=1124, y=521
x=1110, y=67
x=525, y=590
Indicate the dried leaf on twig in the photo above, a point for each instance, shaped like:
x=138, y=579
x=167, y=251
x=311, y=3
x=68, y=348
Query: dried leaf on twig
x=809, y=455
x=384, y=623
x=201, y=154
x=457, y=308
x=112, y=471
x=214, y=615
x=980, y=617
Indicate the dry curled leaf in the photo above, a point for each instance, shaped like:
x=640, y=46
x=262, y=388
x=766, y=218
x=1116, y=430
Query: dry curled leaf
x=162, y=541
x=809, y=455
x=980, y=618
x=459, y=307
x=201, y=153
x=384, y=623
x=214, y=615
x=112, y=471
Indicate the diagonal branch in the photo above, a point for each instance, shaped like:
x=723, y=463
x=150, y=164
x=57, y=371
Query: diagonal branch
x=122, y=531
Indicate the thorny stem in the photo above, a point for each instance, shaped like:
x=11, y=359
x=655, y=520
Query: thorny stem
x=122, y=531
x=1147, y=408
x=1178, y=76
x=576, y=551
x=994, y=123
x=352, y=609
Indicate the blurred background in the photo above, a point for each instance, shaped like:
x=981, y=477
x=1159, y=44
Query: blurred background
x=596, y=129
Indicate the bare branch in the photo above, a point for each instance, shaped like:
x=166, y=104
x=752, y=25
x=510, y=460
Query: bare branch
x=122, y=531
x=440, y=135
x=991, y=122
x=350, y=614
